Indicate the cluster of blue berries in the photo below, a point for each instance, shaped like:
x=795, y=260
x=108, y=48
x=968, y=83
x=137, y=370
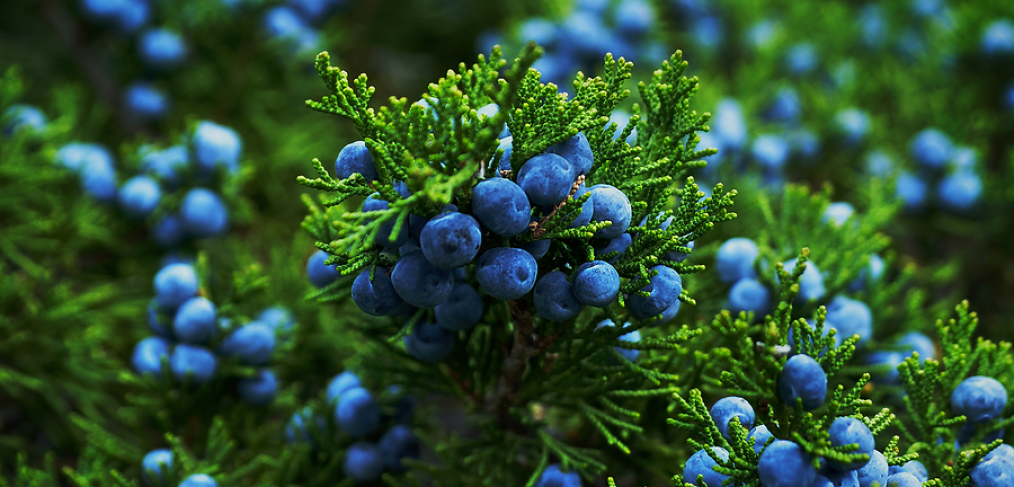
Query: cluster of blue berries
x=191, y=335
x=951, y=168
x=379, y=427
x=157, y=463
x=212, y=149
x=23, y=117
x=293, y=23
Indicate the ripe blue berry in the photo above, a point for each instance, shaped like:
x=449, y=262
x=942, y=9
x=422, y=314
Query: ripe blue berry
x=506, y=273
x=166, y=165
x=732, y=407
x=277, y=317
x=363, y=462
x=811, y=283
x=760, y=436
x=377, y=297
x=357, y=412
x=174, y=284
x=462, y=309
x=501, y=206
x=428, y=342
x=618, y=244
x=801, y=58
x=980, y=399
x=847, y=431
x=914, y=467
x=621, y=118
x=666, y=315
x=216, y=145
x=199, y=480
x=701, y=464
x=785, y=464
x=554, y=298
x=355, y=158
x=159, y=321
x=634, y=18
x=147, y=356
x=259, y=389
x=996, y=469
x=735, y=259
x=193, y=361
x=729, y=123
x=552, y=476
x=76, y=155
x=903, y=479
x=491, y=110
x=917, y=342
x=596, y=283
x=161, y=48
x=853, y=124
x=633, y=336
x=786, y=106
x=802, y=378
x=203, y=213
x=771, y=151
x=23, y=117
x=829, y=477
x=296, y=430
x=931, y=148
x=887, y=358
x=998, y=38
x=321, y=275
x=385, y=236
x=155, y=465
x=169, y=232
x=587, y=208
x=507, y=144
x=195, y=321
x=252, y=343
x=911, y=190
x=613, y=206
x=664, y=287
x=538, y=248
x=341, y=383
x=450, y=240
x=421, y=283
x=98, y=179
x=872, y=271
x=749, y=295
x=850, y=317
x=546, y=178
x=144, y=101
x=577, y=151
x=838, y=212
x=397, y=443
x=874, y=471
x=960, y=190
x=139, y=196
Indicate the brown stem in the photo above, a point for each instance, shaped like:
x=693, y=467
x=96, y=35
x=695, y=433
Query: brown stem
x=537, y=227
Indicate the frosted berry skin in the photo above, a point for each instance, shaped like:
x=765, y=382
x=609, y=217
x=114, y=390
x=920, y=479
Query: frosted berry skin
x=960, y=190
x=385, y=236
x=147, y=356
x=252, y=344
x=996, y=469
x=618, y=244
x=195, y=321
x=193, y=361
x=876, y=470
x=161, y=48
x=998, y=38
x=980, y=399
x=98, y=179
x=155, y=464
x=735, y=259
x=577, y=151
x=166, y=165
x=76, y=155
x=846, y=431
x=613, y=206
x=450, y=240
x=802, y=378
x=853, y=124
x=145, y=102
x=829, y=477
x=24, y=116
x=357, y=412
x=377, y=297
x=199, y=480
x=770, y=150
x=911, y=190
x=786, y=106
x=342, y=382
x=801, y=58
x=917, y=342
x=397, y=443
x=277, y=317
x=665, y=288
x=538, y=248
x=554, y=298
x=634, y=18
x=785, y=464
x=729, y=123
x=203, y=213
x=501, y=206
x=421, y=283
x=552, y=476
x=731, y=407
x=174, y=284
x=461, y=310
x=760, y=435
x=811, y=283
x=546, y=179
x=903, y=479
x=321, y=275
x=491, y=110
x=838, y=212
x=428, y=342
x=355, y=158
x=931, y=148
x=850, y=317
x=749, y=295
x=259, y=389
x=914, y=467
x=216, y=145
x=506, y=273
x=596, y=283
x=363, y=462
x=700, y=463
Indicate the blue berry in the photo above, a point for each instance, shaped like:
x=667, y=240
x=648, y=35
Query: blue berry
x=357, y=412
x=506, y=273
x=960, y=190
x=397, y=443
x=829, y=477
x=804, y=143
x=785, y=464
x=577, y=151
x=546, y=178
x=554, y=298
x=421, y=283
x=195, y=321
x=729, y=123
x=873, y=25
x=450, y=240
x=749, y=295
x=618, y=244
x=931, y=148
x=964, y=158
x=501, y=206
x=886, y=358
x=707, y=31
x=139, y=196
x=428, y=342
x=879, y=163
x=760, y=436
x=785, y=107
x=216, y=145
x=259, y=389
x=872, y=271
x=664, y=287
x=539, y=30
x=385, y=236
x=613, y=206
x=634, y=18
x=587, y=208
x=731, y=407
x=847, y=431
x=666, y=315
x=193, y=361
x=253, y=343
x=850, y=317
x=355, y=158
x=341, y=383
x=634, y=336
x=1008, y=98
x=811, y=283
x=917, y=342
x=297, y=428
x=735, y=259
x=838, y=213
x=159, y=321
x=199, y=480
x=998, y=38
x=155, y=465
x=161, y=48
x=277, y=317
x=874, y=471
x=914, y=467
x=145, y=102
x=321, y=275
x=166, y=165
x=491, y=110
x=283, y=22
x=23, y=117
x=802, y=378
x=911, y=190
x=979, y=398
x=98, y=179
x=770, y=150
x=701, y=464
x=203, y=213
x=462, y=309
x=538, y=248
x=76, y=155
x=132, y=15
x=376, y=297
x=552, y=476
x=363, y=462
x=313, y=10
x=507, y=144
x=174, y=284
x=585, y=34
x=596, y=283
x=903, y=479
x=147, y=356
x=996, y=469
x=801, y=58
x=854, y=124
